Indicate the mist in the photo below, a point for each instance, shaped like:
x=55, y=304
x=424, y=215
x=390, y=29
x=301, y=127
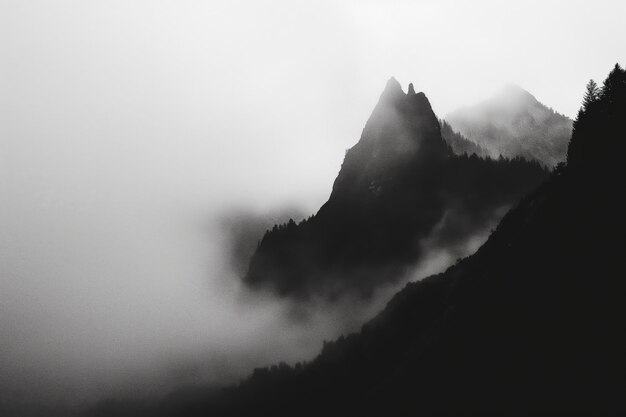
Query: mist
x=128, y=130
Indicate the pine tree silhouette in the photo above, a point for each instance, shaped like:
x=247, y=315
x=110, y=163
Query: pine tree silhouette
x=591, y=95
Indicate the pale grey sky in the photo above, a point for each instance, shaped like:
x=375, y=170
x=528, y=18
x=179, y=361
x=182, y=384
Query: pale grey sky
x=127, y=127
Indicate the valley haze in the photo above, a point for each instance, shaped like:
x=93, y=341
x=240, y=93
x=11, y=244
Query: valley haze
x=134, y=135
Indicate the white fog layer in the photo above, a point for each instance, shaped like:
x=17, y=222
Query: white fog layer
x=129, y=130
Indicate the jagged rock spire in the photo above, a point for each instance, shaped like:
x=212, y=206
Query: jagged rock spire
x=393, y=90
x=393, y=85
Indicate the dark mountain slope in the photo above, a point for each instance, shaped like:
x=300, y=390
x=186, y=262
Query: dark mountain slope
x=532, y=324
x=460, y=144
x=514, y=123
x=399, y=187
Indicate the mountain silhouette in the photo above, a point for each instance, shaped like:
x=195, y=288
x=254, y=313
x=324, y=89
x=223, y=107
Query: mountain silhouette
x=400, y=193
x=532, y=324
x=514, y=123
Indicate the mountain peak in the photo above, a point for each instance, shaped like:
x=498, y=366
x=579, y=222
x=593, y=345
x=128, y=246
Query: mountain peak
x=395, y=184
x=514, y=91
x=512, y=87
x=403, y=123
x=393, y=89
x=393, y=84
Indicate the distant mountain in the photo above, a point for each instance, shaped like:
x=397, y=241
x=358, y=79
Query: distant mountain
x=513, y=123
x=401, y=192
x=532, y=324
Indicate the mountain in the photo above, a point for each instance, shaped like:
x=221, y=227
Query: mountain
x=514, y=123
x=401, y=192
x=459, y=144
x=532, y=324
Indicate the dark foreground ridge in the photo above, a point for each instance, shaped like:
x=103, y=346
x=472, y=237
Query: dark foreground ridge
x=401, y=192
x=532, y=324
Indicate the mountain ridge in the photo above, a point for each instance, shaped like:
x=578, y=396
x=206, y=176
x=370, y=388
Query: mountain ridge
x=399, y=186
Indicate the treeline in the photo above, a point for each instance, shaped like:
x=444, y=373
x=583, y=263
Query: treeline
x=599, y=125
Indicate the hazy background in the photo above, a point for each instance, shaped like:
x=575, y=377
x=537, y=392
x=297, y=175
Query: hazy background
x=129, y=129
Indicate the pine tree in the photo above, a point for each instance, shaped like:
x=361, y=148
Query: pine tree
x=591, y=95
x=612, y=82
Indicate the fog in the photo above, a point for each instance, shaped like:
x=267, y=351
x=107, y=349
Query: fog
x=128, y=130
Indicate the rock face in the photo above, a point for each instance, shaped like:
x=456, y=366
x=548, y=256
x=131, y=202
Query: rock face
x=401, y=191
x=513, y=123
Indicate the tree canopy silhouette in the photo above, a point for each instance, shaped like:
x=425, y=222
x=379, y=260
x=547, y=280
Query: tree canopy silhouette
x=591, y=95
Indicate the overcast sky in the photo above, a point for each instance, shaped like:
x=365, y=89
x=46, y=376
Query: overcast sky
x=128, y=127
